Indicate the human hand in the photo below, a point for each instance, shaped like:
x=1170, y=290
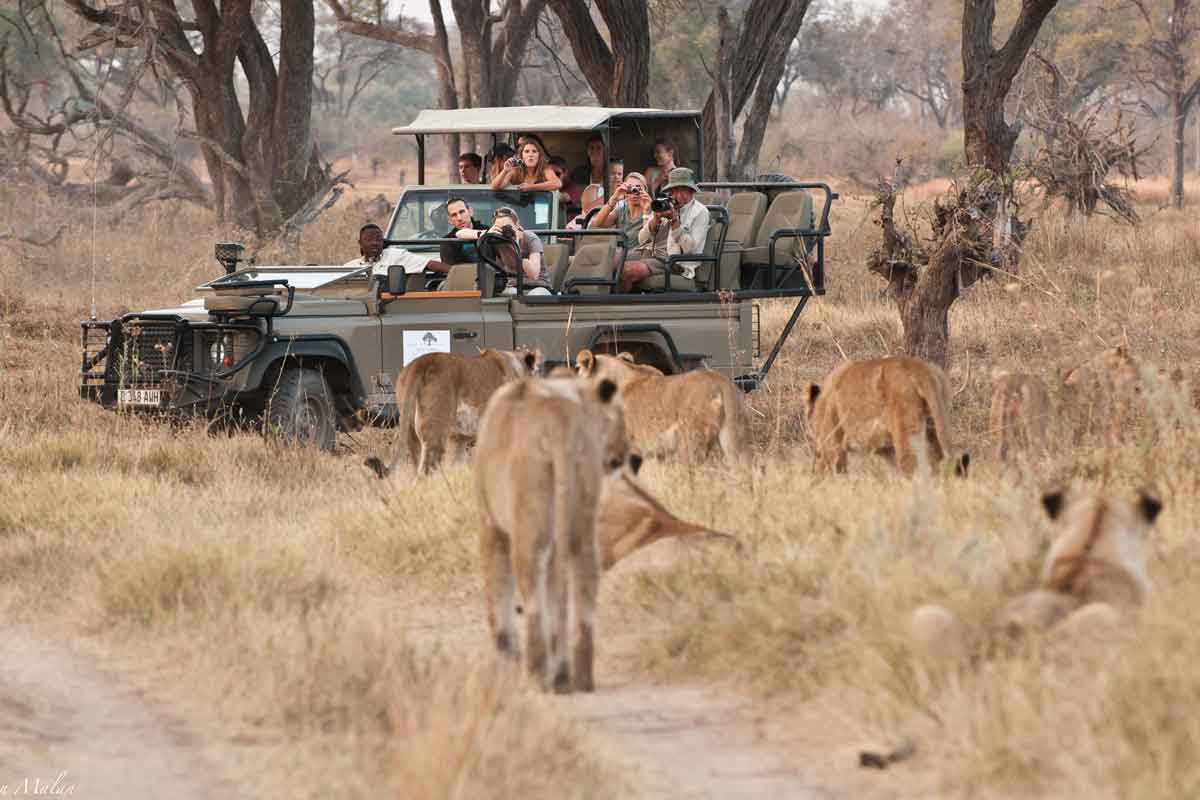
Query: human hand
x=527, y=186
x=619, y=194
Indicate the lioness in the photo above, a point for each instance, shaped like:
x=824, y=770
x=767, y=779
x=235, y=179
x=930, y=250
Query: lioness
x=544, y=448
x=1096, y=568
x=880, y=406
x=690, y=415
x=630, y=519
x=1020, y=411
x=440, y=396
x=1103, y=390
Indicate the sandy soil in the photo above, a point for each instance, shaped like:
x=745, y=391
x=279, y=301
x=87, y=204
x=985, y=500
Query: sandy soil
x=71, y=729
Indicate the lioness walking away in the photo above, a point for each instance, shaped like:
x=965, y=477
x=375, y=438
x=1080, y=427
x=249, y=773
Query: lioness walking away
x=1020, y=412
x=440, y=397
x=1096, y=568
x=883, y=406
x=544, y=449
x=693, y=415
x=1102, y=393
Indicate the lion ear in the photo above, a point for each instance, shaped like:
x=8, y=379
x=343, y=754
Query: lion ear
x=635, y=462
x=1148, y=505
x=812, y=393
x=1121, y=351
x=605, y=390
x=531, y=360
x=585, y=362
x=1053, y=503
x=626, y=357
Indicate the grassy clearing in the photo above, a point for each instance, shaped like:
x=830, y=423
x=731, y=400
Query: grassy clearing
x=270, y=584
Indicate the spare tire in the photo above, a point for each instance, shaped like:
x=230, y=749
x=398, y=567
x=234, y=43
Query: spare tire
x=774, y=177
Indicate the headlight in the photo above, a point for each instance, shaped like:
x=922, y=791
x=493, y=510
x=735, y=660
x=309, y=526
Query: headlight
x=224, y=352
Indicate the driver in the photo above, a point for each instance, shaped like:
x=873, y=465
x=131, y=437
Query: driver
x=379, y=258
x=466, y=229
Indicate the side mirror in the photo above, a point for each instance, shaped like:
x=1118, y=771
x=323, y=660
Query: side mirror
x=397, y=279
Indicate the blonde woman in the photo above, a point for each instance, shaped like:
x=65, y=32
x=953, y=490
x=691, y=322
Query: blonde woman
x=627, y=208
x=529, y=171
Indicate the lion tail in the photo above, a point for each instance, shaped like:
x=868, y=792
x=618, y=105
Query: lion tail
x=407, y=391
x=734, y=423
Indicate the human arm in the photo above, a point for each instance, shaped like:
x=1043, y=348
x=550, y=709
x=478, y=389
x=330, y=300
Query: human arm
x=690, y=233
x=606, y=216
x=549, y=183
x=502, y=178
x=438, y=266
x=532, y=266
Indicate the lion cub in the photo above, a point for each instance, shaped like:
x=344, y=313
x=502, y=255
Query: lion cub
x=884, y=406
x=1096, y=568
x=440, y=396
x=1020, y=411
x=1102, y=392
x=693, y=415
x=544, y=449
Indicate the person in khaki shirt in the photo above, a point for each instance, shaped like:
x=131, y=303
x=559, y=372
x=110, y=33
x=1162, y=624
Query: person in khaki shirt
x=685, y=224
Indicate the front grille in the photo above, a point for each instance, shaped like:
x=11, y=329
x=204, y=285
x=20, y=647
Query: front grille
x=145, y=350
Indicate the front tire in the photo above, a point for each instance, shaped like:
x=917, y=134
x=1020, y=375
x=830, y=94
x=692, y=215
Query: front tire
x=300, y=411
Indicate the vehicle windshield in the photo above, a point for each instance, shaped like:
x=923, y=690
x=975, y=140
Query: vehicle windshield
x=422, y=212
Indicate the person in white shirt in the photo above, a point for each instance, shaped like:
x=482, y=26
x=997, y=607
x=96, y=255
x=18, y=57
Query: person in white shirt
x=375, y=255
x=681, y=229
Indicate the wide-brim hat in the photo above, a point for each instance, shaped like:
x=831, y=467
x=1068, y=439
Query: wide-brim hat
x=681, y=178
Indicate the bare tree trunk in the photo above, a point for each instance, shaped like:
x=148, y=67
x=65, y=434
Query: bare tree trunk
x=620, y=76
x=721, y=92
x=1178, y=125
x=988, y=75
x=755, y=126
x=762, y=21
x=447, y=91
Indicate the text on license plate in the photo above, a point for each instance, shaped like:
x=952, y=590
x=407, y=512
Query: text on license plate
x=139, y=397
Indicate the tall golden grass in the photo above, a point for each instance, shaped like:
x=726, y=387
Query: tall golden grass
x=273, y=586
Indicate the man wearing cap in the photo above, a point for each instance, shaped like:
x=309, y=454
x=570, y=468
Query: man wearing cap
x=379, y=258
x=682, y=229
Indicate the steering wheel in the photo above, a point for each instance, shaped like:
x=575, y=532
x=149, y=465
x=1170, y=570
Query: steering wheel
x=488, y=241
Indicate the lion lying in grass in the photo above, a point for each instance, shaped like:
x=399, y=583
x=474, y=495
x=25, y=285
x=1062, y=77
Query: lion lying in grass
x=440, y=397
x=1095, y=571
x=544, y=449
x=693, y=416
x=883, y=406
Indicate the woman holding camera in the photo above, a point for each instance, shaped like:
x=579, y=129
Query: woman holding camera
x=529, y=171
x=626, y=209
x=529, y=249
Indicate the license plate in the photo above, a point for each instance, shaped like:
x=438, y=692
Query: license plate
x=139, y=397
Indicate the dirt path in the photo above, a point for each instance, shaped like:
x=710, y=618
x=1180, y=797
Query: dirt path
x=71, y=730
x=693, y=742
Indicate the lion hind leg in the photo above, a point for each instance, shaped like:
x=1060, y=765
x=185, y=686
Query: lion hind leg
x=500, y=590
x=584, y=579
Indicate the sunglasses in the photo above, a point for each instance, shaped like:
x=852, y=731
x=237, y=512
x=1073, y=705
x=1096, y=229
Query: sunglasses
x=504, y=211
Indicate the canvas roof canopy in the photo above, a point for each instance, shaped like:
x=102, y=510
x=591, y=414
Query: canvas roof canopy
x=540, y=118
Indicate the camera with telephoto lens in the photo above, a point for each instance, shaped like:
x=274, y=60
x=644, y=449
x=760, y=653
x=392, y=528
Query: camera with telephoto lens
x=661, y=205
x=509, y=232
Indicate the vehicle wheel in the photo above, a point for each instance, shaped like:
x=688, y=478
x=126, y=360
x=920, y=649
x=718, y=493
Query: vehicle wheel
x=300, y=411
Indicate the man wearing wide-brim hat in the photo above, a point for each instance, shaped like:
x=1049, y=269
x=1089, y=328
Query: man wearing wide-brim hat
x=681, y=229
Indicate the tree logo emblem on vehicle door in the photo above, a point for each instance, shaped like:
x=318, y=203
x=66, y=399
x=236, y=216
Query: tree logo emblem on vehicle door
x=429, y=340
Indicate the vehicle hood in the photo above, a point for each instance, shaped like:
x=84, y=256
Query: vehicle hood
x=307, y=305
x=192, y=310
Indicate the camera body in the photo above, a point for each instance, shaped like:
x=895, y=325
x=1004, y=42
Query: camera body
x=514, y=162
x=509, y=232
x=635, y=189
x=661, y=205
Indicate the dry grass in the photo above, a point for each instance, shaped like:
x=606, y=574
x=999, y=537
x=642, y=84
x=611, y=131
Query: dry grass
x=271, y=584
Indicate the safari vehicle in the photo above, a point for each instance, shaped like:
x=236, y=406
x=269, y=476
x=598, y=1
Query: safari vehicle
x=309, y=350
